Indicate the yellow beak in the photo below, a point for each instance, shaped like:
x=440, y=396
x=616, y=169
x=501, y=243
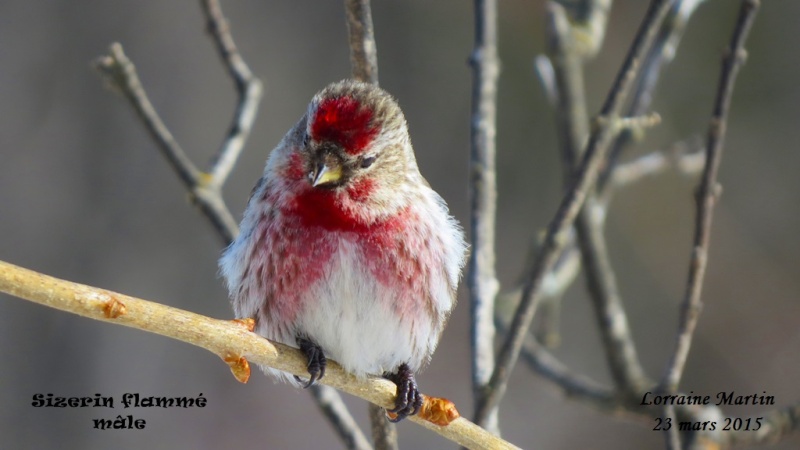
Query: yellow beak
x=327, y=174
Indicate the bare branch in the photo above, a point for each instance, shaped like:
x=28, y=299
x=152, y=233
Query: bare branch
x=547, y=76
x=672, y=437
x=566, y=52
x=384, y=433
x=564, y=85
x=636, y=124
x=618, y=343
x=707, y=194
x=482, y=279
x=248, y=87
x=621, y=355
x=589, y=25
x=334, y=409
x=555, y=284
x=364, y=63
x=562, y=79
x=575, y=386
x=227, y=339
x=572, y=125
x=556, y=237
x=571, y=115
x=685, y=156
x=363, y=51
x=120, y=72
x=775, y=425
x=662, y=52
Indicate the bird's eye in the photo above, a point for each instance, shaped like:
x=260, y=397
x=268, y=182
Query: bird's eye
x=367, y=161
x=306, y=139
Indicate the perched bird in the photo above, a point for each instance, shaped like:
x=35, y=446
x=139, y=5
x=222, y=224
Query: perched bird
x=345, y=251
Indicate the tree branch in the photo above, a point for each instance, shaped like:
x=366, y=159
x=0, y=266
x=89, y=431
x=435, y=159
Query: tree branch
x=384, y=433
x=575, y=386
x=556, y=237
x=248, y=87
x=482, y=279
x=334, y=409
x=589, y=26
x=568, y=88
x=364, y=63
x=707, y=194
x=775, y=425
x=662, y=52
x=562, y=78
x=687, y=157
x=120, y=72
x=363, y=51
x=682, y=155
x=230, y=340
x=601, y=279
x=626, y=370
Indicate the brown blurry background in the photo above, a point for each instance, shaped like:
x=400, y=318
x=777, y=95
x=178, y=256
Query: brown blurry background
x=85, y=196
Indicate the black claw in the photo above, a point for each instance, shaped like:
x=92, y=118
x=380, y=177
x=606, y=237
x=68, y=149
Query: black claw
x=409, y=399
x=316, y=361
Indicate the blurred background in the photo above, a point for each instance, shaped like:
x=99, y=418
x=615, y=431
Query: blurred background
x=86, y=196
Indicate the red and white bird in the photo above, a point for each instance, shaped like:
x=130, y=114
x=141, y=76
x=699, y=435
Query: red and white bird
x=345, y=251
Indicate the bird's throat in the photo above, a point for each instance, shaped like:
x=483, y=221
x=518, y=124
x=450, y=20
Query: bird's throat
x=340, y=209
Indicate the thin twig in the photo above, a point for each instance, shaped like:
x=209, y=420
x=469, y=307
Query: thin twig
x=384, y=433
x=775, y=425
x=662, y=52
x=559, y=38
x=556, y=237
x=248, y=87
x=618, y=342
x=363, y=51
x=601, y=280
x=536, y=356
x=482, y=279
x=589, y=24
x=687, y=157
x=575, y=386
x=626, y=370
x=707, y=194
x=672, y=438
x=230, y=340
x=120, y=72
x=565, y=89
x=563, y=84
x=364, y=63
x=555, y=284
x=571, y=115
x=547, y=77
x=339, y=417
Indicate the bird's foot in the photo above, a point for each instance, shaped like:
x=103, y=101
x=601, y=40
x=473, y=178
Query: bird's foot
x=316, y=361
x=409, y=399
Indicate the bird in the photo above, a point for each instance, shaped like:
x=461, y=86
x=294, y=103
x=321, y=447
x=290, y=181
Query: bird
x=345, y=251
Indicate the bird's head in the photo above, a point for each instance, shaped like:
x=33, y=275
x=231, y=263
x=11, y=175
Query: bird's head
x=355, y=131
x=352, y=152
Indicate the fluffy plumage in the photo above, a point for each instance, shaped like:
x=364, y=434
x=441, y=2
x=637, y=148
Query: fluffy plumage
x=344, y=243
